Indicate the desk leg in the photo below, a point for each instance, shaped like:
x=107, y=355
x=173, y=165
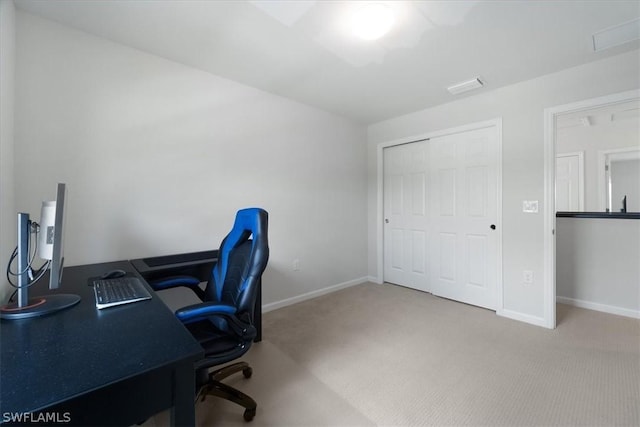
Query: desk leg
x=257, y=313
x=183, y=412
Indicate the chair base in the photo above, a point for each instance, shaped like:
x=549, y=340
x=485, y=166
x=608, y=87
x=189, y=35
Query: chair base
x=215, y=387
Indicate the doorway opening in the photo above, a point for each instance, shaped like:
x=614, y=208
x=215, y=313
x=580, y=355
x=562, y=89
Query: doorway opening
x=558, y=182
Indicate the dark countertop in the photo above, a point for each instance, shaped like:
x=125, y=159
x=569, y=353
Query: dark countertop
x=614, y=215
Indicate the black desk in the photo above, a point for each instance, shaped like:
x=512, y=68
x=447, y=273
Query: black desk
x=116, y=366
x=195, y=264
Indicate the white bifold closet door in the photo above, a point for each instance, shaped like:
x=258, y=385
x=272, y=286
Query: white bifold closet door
x=406, y=225
x=464, y=212
x=440, y=213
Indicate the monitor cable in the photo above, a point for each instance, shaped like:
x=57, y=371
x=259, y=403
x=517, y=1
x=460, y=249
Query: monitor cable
x=34, y=276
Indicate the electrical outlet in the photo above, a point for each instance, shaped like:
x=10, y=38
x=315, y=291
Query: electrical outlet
x=527, y=277
x=296, y=264
x=530, y=206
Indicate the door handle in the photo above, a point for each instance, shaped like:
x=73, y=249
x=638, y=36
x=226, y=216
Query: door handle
x=386, y=220
x=492, y=226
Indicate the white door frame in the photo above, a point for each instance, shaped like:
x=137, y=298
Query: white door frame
x=550, y=115
x=497, y=123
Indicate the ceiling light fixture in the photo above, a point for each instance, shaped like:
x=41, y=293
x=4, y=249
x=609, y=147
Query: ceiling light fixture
x=372, y=21
x=465, y=86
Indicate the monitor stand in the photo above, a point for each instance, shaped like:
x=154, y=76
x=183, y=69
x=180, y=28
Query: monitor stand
x=39, y=306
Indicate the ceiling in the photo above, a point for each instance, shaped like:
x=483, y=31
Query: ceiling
x=303, y=50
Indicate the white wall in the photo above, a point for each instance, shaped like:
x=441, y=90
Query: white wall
x=603, y=135
x=7, y=202
x=597, y=264
x=521, y=106
x=159, y=156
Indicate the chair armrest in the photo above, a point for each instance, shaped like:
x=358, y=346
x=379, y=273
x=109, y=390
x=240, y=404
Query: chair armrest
x=178, y=281
x=195, y=312
x=208, y=310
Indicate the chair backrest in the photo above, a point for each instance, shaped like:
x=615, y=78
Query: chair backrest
x=242, y=258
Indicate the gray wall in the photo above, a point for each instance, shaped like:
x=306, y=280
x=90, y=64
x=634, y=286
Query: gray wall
x=598, y=264
x=7, y=201
x=521, y=107
x=159, y=156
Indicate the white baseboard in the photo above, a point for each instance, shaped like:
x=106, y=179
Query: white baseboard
x=522, y=317
x=611, y=309
x=313, y=294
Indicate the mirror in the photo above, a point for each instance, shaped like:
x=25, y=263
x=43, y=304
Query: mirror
x=622, y=180
x=598, y=159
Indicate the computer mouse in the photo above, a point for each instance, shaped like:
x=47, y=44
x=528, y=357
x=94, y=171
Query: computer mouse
x=113, y=274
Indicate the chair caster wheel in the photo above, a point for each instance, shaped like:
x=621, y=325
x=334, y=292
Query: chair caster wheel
x=247, y=372
x=249, y=414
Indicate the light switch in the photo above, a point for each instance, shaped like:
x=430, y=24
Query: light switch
x=530, y=206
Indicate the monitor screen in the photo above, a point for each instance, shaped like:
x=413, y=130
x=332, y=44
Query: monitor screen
x=51, y=234
x=57, y=254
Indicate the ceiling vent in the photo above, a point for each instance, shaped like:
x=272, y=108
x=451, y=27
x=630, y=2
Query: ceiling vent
x=617, y=35
x=465, y=86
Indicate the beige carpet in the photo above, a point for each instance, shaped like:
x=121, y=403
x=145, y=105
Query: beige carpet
x=386, y=355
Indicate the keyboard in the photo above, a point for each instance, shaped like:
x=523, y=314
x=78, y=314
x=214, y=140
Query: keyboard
x=121, y=290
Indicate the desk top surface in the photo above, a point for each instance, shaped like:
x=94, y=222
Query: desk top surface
x=50, y=359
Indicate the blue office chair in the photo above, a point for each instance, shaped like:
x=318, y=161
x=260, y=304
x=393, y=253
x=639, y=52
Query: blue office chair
x=223, y=322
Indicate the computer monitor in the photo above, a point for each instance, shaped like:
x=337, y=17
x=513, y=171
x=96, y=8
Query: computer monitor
x=51, y=248
x=50, y=245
